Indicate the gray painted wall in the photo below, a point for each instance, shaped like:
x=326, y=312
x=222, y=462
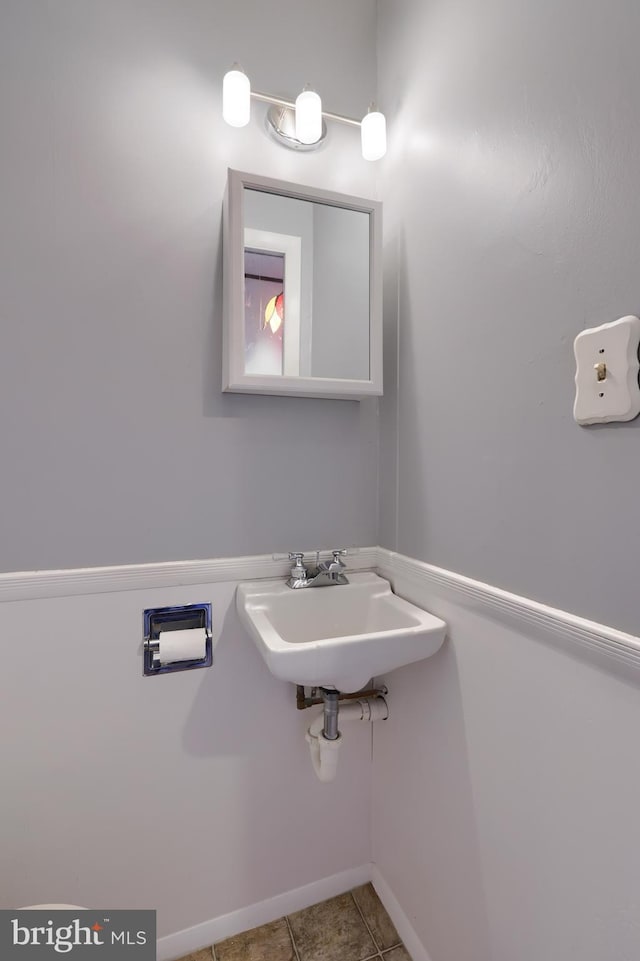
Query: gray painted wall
x=340, y=332
x=117, y=444
x=511, y=223
x=512, y=218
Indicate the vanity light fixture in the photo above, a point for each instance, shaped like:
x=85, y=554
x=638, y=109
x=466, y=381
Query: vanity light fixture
x=308, y=116
x=299, y=125
x=373, y=131
x=236, y=97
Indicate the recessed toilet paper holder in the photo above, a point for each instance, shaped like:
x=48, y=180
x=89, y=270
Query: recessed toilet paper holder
x=186, y=617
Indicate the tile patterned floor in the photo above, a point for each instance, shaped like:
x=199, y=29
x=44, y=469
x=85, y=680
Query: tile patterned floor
x=350, y=927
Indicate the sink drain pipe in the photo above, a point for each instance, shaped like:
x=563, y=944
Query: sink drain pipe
x=324, y=738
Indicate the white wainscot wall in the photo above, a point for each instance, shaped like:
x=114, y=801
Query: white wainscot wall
x=506, y=784
x=502, y=816
x=191, y=793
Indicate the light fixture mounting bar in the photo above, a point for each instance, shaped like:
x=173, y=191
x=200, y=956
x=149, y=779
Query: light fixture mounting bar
x=278, y=101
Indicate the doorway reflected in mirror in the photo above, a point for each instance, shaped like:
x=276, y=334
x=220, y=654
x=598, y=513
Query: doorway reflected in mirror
x=264, y=312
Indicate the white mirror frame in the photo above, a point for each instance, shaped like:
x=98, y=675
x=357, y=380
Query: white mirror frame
x=234, y=378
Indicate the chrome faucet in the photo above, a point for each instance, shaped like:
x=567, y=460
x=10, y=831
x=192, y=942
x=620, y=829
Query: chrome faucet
x=324, y=574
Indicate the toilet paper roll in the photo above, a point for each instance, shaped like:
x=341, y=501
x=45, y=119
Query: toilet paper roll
x=182, y=645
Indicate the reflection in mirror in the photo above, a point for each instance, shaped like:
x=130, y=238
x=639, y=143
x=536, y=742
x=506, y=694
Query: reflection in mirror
x=271, y=267
x=263, y=311
x=302, y=289
x=324, y=330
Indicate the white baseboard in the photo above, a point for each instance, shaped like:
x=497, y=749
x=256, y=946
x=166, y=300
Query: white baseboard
x=404, y=927
x=217, y=929
x=202, y=935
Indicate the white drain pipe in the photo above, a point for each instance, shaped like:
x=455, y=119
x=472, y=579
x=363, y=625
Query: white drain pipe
x=324, y=753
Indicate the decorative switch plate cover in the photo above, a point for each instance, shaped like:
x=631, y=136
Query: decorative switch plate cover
x=607, y=372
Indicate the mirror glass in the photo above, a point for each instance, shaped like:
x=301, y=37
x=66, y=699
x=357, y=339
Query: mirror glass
x=303, y=290
x=306, y=287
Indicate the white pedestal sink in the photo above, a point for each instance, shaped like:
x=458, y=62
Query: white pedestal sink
x=338, y=636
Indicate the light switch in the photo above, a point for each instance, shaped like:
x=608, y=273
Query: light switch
x=607, y=372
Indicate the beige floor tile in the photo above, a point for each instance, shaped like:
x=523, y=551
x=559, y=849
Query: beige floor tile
x=382, y=928
x=397, y=954
x=203, y=955
x=331, y=931
x=270, y=942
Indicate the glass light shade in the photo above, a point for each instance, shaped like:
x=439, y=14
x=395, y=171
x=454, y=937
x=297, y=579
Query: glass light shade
x=308, y=117
x=236, y=98
x=373, y=130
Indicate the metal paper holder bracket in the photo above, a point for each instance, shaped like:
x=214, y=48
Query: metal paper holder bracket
x=180, y=618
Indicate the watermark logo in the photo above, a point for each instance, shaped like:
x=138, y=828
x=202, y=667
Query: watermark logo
x=79, y=935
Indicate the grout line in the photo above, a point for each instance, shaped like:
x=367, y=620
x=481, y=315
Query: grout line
x=380, y=951
x=293, y=940
x=378, y=955
x=371, y=935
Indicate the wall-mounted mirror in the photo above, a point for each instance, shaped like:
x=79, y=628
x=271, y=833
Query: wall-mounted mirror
x=303, y=290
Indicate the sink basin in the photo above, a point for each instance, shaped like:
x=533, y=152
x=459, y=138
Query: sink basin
x=336, y=636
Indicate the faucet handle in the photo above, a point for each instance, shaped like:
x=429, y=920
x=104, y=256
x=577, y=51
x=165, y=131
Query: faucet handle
x=337, y=559
x=298, y=571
